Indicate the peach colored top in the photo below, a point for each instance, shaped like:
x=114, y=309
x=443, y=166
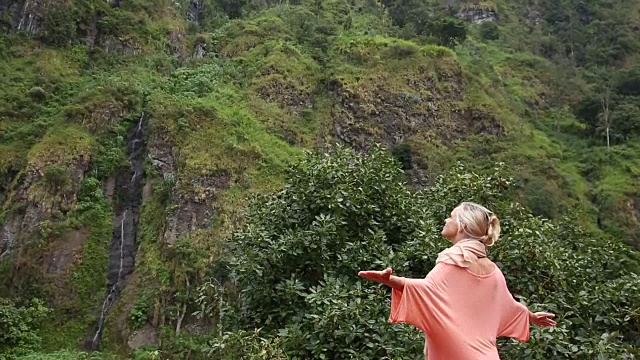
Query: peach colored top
x=461, y=313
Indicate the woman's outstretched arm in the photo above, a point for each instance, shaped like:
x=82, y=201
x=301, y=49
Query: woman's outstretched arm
x=384, y=277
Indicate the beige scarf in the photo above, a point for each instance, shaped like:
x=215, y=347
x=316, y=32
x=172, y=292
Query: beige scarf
x=463, y=253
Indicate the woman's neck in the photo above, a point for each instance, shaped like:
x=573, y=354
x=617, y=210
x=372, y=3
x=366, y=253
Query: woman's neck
x=462, y=238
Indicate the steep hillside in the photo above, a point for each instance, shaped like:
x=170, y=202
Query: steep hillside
x=132, y=134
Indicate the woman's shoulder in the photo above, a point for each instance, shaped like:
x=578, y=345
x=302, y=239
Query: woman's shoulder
x=439, y=272
x=486, y=270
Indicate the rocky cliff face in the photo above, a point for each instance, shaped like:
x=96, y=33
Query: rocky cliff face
x=193, y=197
x=477, y=14
x=194, y=13
x=377, y=112
x=40, y=202
x=193, y=205
x=31, y=202
x=24, y=15
x=286, y=95
x=90, y=27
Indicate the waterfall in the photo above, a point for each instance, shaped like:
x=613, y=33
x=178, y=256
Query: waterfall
x=24, y=14
x=123, y=242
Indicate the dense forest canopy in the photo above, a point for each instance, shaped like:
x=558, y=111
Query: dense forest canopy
x=204, y=178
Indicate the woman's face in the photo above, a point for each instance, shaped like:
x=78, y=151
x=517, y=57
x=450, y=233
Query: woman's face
x=450, y=228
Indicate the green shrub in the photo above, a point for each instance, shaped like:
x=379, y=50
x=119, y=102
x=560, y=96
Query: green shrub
x=294, y=265
x=403, y=50
x=302, y=247
x=448, y=31
x=139, y=313
x=59, y=26
x=489, y=30
x=67, y=355
x=245, y=345
x=402, y=153
x=37, y=93
x=18, y=328
x=56, y=178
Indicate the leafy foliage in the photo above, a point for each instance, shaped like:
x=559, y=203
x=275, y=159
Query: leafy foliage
x=489, y=31
x=18, y=328
x=67, y=354
x=293, y=267
x=246, y=346
x=56, y=177
x=302, y=247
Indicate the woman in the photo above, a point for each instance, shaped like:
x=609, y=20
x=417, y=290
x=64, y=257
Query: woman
x=463, y=304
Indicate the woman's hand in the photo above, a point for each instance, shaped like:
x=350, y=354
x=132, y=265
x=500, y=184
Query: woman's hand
x=377, y=276
x=384, y=277
x=542, y=319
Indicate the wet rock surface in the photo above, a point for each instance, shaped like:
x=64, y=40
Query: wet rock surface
x=194, y=13
x=128, y=196
x=477, y=14
x=23, y=15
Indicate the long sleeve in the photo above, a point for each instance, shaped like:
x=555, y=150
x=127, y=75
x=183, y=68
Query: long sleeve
x=515, y=321
x=415, y=303
x=410, y=305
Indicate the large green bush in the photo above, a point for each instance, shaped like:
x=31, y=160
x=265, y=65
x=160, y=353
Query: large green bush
x=18, y=328
x=293, y=268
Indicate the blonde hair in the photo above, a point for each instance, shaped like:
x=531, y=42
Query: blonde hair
x=479, y=222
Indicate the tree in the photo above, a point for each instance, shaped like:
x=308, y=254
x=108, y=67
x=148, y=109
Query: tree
x=59, y=27
x=18, y=328
x=565, y=19
x=627, y=118
x=628, y=82
x=598, y=105
x=448, y=31
x=302, y=246
x=233, y=8
x=605, y=112
x=489, y=30
x=422, y=17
